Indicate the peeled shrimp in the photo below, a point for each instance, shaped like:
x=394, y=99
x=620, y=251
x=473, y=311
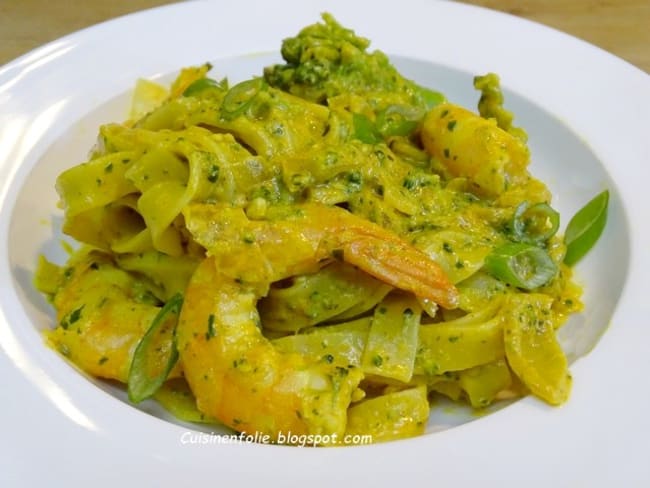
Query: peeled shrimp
x=102, y=313
x=236, y=374
x=476, y=148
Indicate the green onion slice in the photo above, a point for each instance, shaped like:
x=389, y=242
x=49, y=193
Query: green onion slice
x=203, y=84
x=365, y=130
x=534, y=224
x=585, y=228
x=240, y=97
x=522, y=265
x=430, y=98
x=145, y=375
x=398, y=120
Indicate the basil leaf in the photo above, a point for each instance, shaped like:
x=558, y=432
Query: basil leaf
x=585, y=228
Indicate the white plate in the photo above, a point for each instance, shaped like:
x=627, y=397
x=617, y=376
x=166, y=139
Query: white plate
x=588, y=115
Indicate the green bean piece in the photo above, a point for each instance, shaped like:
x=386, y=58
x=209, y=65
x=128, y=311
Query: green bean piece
x=522, y=265
x=144, y=376
x=585, y=228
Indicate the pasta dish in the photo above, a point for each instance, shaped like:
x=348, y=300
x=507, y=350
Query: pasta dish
x=323, y=249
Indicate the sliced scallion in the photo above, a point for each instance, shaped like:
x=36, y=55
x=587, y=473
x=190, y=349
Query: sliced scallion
x=430, y=98
x=522, y=265
x=203, y=84
x=398, y=120
x=534, y=224
x=146, y=374
x=365, y=130
x=240, y=97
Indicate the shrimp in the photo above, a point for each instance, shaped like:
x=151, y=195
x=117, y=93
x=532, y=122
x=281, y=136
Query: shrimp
x=236, y=374
x=297, y=239
x=102, y=314
x=476, y=148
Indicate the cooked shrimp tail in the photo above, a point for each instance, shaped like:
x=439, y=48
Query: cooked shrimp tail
x=403, y=267
x=298, y=238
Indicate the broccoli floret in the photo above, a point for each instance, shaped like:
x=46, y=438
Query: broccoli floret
x=326, y=59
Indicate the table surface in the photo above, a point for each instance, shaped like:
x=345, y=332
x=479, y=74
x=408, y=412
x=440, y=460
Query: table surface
x=621, y=27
